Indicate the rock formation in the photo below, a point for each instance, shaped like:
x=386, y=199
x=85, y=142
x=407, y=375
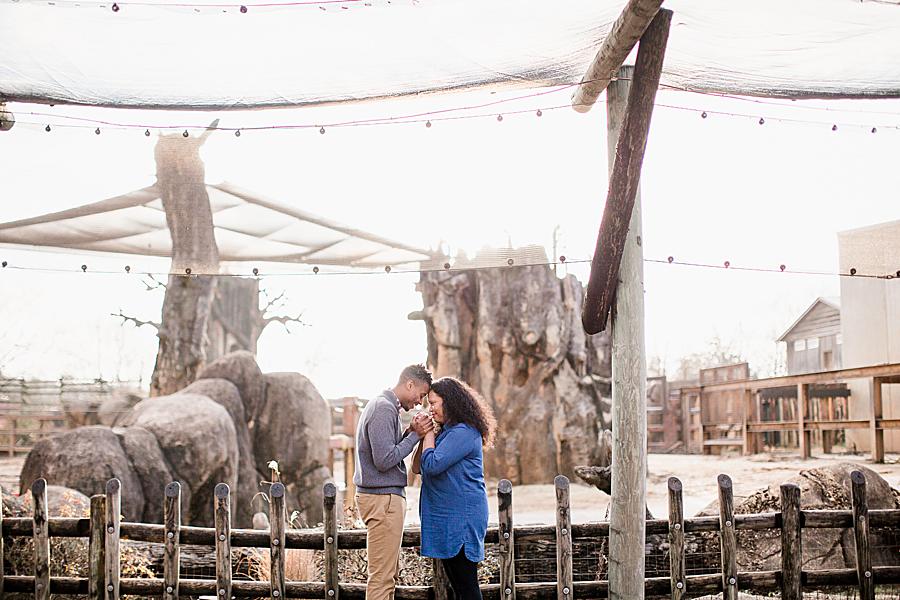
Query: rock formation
x=224, y=427
x=514, y=334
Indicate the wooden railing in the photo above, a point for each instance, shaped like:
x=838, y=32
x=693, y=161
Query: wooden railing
x=105, y=532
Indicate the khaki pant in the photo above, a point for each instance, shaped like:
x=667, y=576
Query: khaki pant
x=383, y=515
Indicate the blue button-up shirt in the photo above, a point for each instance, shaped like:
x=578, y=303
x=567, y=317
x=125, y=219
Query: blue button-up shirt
x=453, y=506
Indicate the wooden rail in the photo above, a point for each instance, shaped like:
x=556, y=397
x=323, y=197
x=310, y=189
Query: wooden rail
x=105, y=531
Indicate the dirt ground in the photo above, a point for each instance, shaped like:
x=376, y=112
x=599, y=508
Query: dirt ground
x=536, y=503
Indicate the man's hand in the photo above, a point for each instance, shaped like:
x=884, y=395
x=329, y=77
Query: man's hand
x=422, y=424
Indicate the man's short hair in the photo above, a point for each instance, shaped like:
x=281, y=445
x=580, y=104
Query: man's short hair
x=416, y=372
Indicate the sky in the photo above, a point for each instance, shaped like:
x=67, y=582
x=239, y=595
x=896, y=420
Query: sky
x=714, y=189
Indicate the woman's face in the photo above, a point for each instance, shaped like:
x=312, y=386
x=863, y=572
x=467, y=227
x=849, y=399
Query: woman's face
x=437, y=406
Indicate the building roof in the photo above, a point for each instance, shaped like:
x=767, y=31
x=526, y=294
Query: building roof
x=829, y=301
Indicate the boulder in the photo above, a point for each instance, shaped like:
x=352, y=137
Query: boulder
x=293, y=427
x=61, y=502
x=227, y=395
x=198, y=440
x=150, y=465
x=240, y=368
x=823, y=488
x=84, y=459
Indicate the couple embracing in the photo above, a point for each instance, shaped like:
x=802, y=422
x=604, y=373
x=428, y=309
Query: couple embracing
x=448, y=439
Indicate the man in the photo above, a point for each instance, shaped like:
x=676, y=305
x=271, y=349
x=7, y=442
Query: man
x=381, y=446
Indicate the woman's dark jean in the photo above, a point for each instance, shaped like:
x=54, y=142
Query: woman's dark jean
x=463, y=576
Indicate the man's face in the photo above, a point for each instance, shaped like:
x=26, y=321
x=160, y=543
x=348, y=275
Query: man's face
x=414, y=393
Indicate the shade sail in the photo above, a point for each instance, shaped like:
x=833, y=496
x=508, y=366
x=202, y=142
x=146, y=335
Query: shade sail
x=195, y=56
x=247, y=226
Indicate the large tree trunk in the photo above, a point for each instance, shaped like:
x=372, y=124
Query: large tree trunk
x=515, y=335
x=236, y=320
x=195, y=262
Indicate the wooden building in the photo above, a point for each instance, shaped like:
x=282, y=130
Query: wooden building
x=814, y=341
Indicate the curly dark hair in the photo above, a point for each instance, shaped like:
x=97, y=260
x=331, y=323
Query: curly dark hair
x=462, y=404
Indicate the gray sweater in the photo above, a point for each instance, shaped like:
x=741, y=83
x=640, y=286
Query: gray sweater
x=381, y=447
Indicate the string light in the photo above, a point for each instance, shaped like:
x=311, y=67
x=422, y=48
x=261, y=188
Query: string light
x=433, y=115
x=670, y=260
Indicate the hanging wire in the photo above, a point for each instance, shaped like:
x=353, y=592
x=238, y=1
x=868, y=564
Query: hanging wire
x=447, y=267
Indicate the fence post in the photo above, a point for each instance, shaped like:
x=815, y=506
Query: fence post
x=507, y=541
x=861, y=534
x=351, y=419
x=791, y=543
x=172, y=518
x=564, y=587
x=727, y=538
x=111, y=557
x=332, y=579
x=676, y=539
x=96, y=548
x=223, y=540
x=276, y=539
x=41, y=533
x=1, y=549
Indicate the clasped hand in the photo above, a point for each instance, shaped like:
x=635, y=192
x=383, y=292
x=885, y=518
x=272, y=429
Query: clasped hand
x=422, y=424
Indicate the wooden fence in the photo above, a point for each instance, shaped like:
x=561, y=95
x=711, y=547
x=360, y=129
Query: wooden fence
x=104, y=530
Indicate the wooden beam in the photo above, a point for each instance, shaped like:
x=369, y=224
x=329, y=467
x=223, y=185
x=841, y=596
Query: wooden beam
x=803, y=436
x=625, y=176
x=884, y=371
x=625, y=33
x=875, y=414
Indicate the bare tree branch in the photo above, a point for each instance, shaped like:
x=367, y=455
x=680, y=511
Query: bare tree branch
x=284, y=320
x=271, y=303
x=137, y=322
x=155, y=285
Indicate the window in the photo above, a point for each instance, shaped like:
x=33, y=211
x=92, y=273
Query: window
x=812, y=343
x=799, y=345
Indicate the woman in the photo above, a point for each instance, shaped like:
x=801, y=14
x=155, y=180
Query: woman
x=453, y=504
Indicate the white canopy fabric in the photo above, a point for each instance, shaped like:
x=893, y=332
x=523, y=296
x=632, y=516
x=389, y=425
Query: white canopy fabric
x=178, y=55
x=247, y=228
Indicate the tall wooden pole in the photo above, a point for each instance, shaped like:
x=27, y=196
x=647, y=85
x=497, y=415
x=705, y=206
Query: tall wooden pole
x=629, y=376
